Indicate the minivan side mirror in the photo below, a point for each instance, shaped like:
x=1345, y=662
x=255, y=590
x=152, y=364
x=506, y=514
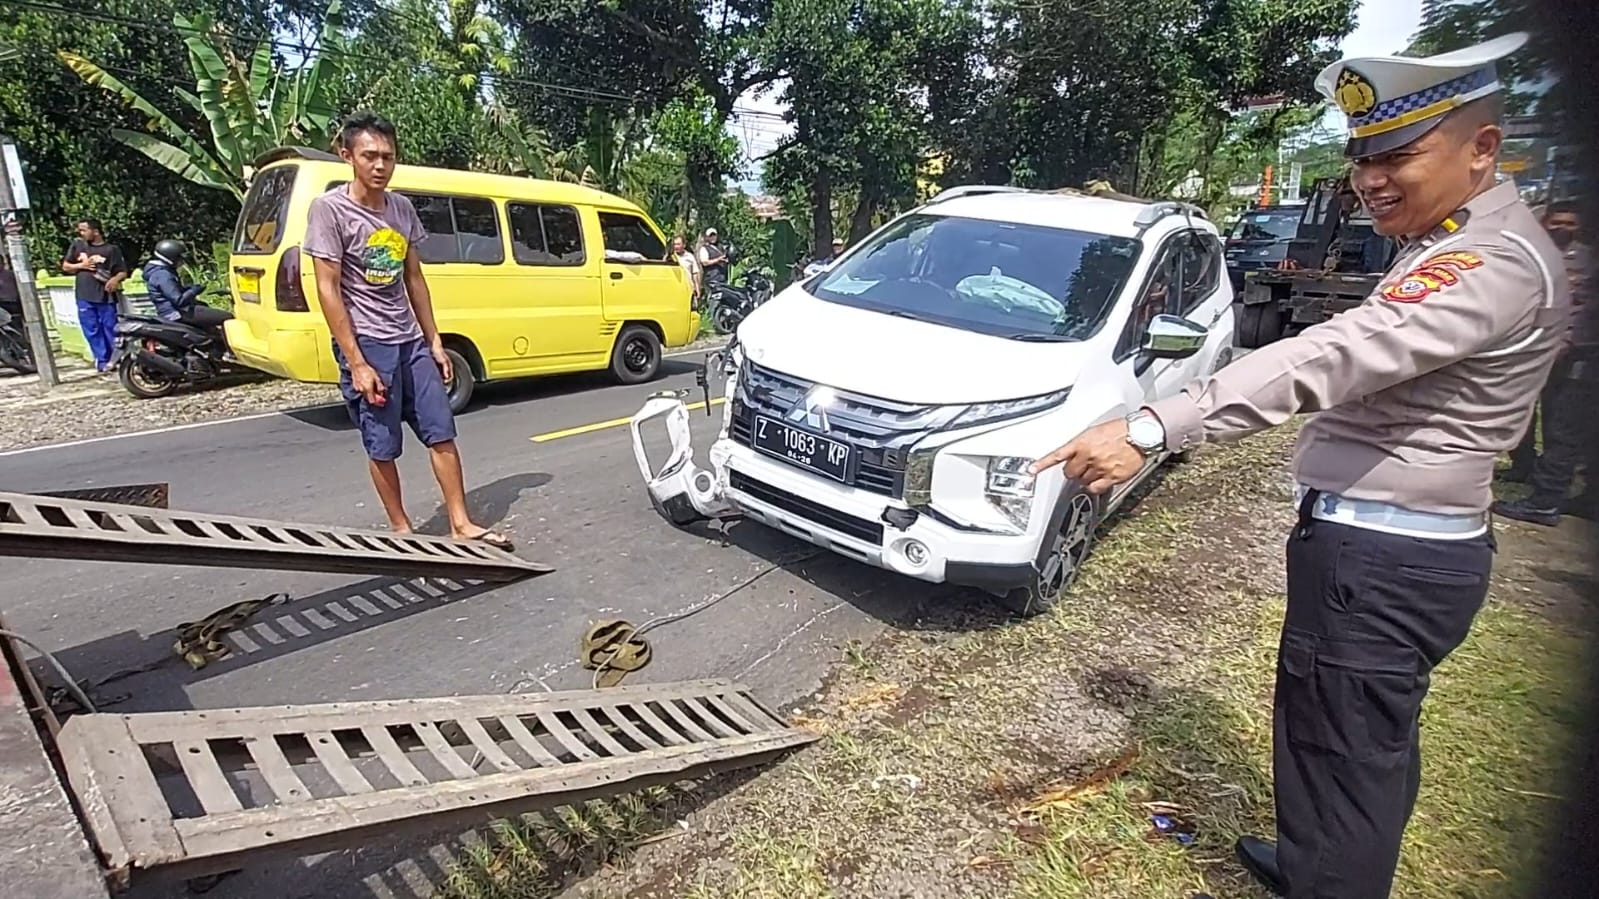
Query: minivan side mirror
x=1173, y=337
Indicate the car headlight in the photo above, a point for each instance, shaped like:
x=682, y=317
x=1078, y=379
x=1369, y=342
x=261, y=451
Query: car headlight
x=1009, y=488
x=983, y=413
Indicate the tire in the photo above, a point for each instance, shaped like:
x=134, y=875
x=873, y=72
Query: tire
x=1072, y=542
x=15, y=353
x=725, y=318
x=636, y=357
x=143, y=384
x=1259, y=324
x=462, y=383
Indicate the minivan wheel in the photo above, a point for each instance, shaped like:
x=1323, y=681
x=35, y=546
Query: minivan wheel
x=636, y=358
x=462, y=381
x=1062, y=563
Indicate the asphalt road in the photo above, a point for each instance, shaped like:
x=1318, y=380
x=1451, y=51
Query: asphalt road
x=571, y=499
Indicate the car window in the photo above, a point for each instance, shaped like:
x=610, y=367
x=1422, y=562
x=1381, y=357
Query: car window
x=477, y=228
x=459, y=229
x=266, y=211
x=1024, y=282
x=626, y=233
x=1277, y=224
x=545, y=235
x=1201, y=270
x=1156, y=297
x=439, y=245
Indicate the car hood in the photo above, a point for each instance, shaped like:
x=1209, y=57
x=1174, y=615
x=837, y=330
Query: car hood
x=899, y=359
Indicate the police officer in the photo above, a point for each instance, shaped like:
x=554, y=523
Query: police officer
x=1416, y=391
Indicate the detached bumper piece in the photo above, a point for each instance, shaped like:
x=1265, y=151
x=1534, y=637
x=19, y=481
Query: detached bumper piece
x=202, y=792
x=43, y=527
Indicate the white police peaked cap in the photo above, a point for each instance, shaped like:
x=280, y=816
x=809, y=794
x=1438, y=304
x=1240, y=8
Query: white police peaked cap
x=1393, y=100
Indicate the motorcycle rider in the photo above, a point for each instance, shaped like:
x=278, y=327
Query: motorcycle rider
x=173, y=301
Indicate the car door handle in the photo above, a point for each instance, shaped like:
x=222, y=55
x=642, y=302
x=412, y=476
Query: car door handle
x=616, y=276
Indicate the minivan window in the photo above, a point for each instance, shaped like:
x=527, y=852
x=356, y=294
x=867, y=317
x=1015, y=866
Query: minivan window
x=459, y=229
x=545, y=235
x=265, y=214
x=1024, y=282
x=626, y=233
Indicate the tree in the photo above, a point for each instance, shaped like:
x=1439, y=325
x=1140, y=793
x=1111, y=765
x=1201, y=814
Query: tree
x=1456, y=24
x=251, y=107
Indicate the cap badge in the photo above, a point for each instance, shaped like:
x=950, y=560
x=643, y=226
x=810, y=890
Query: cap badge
x=1355, y=95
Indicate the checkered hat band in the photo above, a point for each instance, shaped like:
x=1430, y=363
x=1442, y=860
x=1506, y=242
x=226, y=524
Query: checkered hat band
x=1438, y=93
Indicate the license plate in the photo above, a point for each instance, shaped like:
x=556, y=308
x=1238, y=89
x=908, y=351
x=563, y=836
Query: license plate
x=807, y=450
x=250, y=287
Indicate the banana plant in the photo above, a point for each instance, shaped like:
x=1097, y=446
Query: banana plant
x=249, y=107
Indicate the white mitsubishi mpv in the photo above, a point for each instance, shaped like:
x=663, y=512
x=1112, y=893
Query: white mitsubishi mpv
x=888, y=408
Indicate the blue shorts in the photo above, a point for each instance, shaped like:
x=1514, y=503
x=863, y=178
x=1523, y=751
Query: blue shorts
x=415, y=396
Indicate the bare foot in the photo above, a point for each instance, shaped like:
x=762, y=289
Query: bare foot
x=482, y=535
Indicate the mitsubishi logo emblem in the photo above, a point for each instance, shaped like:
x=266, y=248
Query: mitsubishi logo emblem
x=811, y=410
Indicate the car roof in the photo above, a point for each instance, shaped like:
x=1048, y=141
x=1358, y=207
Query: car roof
x=417, y=177
x=1077, y=212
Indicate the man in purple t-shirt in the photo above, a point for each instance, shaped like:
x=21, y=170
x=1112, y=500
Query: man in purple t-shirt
x=392, y=366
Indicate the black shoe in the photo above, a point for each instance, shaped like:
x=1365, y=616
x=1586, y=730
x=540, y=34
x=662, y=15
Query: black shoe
x=1259, y=858
x=1524, y=510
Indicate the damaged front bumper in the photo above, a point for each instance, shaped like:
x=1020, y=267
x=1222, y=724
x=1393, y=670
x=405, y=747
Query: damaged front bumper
x=680, y=490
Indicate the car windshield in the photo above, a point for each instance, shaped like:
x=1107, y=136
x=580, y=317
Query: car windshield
x=1023, y=282
x=1279, y=224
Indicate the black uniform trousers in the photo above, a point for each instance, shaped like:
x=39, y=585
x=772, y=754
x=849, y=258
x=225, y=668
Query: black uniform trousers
x=1370, y=614
x=1568, y=427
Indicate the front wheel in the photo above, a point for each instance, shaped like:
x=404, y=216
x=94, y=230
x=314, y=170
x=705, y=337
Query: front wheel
x=636, y=358
x=141, y=382
x=1063, y=562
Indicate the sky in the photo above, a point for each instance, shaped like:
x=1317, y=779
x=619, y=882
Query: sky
x=1382, y=27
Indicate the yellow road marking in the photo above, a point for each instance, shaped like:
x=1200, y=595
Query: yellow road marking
x=613, y=423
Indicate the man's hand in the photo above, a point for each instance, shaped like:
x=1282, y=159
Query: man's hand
x=364, y=378
x=441, y=357
x=1100, y=457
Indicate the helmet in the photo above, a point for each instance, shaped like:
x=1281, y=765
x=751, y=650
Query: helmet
x=172, y=251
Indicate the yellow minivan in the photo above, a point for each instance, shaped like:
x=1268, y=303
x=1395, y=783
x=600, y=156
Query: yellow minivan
x=528, y=277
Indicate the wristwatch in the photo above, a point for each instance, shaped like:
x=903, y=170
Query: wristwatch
x=1145, y=432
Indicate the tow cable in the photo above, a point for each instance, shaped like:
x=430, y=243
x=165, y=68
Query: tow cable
x=200, y=642
x=614, y=648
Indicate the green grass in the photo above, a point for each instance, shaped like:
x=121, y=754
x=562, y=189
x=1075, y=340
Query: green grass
x=1149, y=690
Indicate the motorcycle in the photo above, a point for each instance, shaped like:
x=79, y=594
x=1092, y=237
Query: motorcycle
x=155, y=356
x=730, y=304
x=15, y=350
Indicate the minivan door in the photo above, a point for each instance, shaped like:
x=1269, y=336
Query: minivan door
x=640, y=279
x=560, y=320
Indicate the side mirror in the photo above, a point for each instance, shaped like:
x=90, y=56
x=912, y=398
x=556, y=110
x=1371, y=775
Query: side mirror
x=1173, y=337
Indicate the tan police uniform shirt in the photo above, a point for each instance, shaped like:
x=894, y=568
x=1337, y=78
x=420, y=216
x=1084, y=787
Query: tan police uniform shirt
x=1418, y=389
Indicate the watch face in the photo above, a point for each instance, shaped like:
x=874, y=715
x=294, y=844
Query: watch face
x=1146, y=431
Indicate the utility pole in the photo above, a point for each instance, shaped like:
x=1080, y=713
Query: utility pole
x=14, y=199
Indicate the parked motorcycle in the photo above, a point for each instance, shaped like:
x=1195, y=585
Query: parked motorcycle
x=155, y=356
x=731, y=303
x=15, y=350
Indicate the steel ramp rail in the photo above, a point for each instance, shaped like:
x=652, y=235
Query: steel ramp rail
x=54, y=528
x=162, y=790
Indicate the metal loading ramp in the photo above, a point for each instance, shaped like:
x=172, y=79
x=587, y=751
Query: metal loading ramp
x=43, y=527
x=202, y=792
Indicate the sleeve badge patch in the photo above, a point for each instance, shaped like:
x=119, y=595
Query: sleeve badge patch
x=1430, y=277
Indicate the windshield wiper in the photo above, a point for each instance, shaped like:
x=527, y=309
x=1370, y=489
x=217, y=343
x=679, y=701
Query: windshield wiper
x=901, y=313
x=1039, y=338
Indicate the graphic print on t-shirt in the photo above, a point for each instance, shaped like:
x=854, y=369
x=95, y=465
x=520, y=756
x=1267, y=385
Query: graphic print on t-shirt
x=384, y=257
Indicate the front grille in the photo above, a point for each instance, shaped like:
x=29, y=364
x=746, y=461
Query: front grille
x=816, y=513
x=881, y=432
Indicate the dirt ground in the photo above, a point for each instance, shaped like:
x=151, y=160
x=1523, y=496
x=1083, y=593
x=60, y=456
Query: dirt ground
x=1114, y=748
